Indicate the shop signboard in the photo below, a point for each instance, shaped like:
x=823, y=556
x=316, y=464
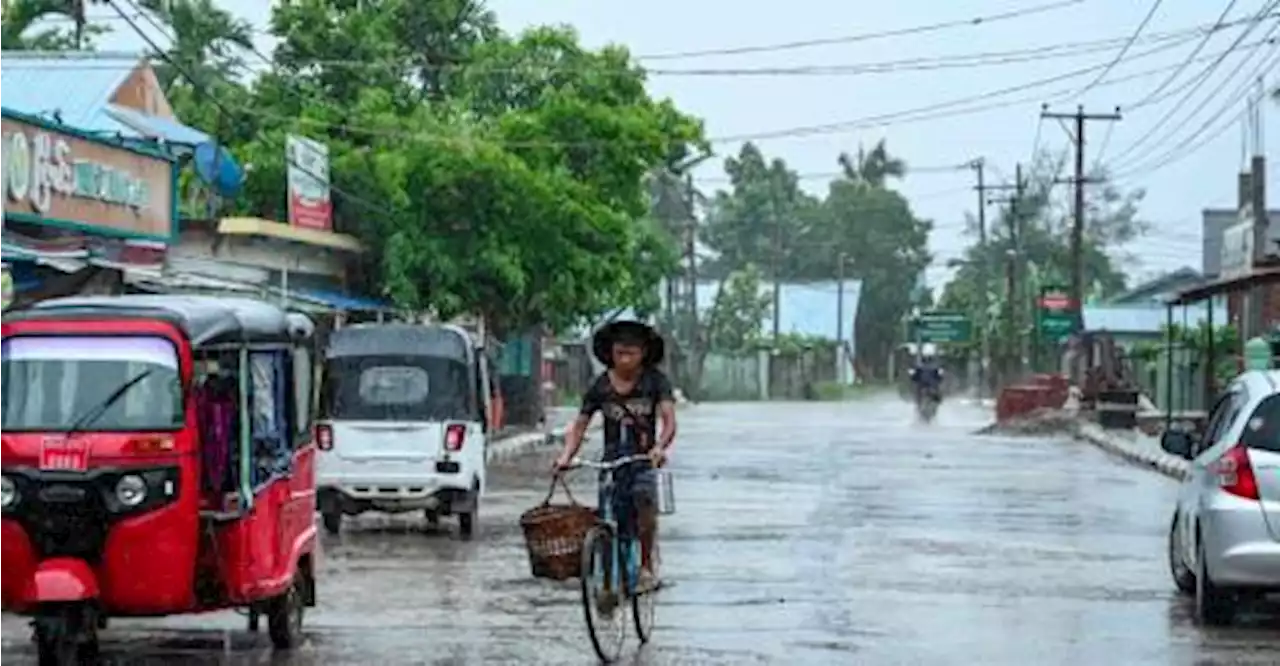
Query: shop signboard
x=60, y=177
x=310, y=206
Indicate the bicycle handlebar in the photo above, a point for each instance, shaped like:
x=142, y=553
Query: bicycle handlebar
x=578, y=463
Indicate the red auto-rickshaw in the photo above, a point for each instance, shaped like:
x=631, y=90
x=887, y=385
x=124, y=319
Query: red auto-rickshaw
x=157, y=459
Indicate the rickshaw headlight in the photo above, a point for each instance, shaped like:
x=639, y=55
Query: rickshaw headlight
x=131, y=490
x=8, y=492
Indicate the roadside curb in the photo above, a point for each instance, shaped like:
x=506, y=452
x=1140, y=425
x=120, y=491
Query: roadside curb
x=521, y=444
x=1118, y=444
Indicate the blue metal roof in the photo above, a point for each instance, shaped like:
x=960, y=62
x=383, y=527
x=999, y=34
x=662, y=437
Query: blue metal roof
x=1146, y=319
x=156, y=127
x=340, y=301
x=76, y=86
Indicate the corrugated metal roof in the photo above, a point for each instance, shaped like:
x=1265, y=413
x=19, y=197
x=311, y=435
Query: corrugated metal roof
x=156, y=127
x=1143, y=319
x=75, y=85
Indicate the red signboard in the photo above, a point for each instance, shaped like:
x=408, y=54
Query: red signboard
x=1056, y=301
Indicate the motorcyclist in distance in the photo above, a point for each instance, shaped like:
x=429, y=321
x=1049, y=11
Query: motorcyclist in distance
x=927, y=374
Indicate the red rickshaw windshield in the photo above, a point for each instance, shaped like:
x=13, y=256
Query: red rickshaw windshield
x=50, y=381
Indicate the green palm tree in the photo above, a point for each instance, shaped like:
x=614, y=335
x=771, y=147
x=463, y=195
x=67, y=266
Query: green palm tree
x=873, y=168
x=18, y=17
x=205, y=42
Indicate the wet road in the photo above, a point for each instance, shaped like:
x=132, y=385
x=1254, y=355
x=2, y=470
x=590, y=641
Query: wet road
x=806, y=533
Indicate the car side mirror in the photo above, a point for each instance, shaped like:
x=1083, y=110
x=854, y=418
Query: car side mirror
x=1177, y=443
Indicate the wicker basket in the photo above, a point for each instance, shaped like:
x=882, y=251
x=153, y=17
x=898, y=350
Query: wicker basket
x=553, y=535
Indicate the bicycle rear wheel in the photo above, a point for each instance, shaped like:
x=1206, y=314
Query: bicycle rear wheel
x=602, y=593
x=644, y=606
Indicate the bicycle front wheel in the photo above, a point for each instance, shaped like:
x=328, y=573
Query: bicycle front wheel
x=603, y=593
x=644, y=605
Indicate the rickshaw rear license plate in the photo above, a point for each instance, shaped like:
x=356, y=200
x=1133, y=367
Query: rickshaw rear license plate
x=57, y=453
x=447, y=467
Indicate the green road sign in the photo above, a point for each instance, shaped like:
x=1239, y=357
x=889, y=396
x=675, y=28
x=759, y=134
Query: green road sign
x=1055, y=313
x=938, y=326
x=1057, y=325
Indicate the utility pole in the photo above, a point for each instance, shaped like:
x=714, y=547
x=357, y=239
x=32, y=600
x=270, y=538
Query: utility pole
x=691, y=252
x=1013, y=258
x=1077, y=229
x=77, y=15
x=979, y=166
x=688, y=374
x=776, y=270
x=840, y=317
x=1258, y=202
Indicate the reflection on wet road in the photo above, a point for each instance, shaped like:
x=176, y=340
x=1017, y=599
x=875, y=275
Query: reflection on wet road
x=807, y=533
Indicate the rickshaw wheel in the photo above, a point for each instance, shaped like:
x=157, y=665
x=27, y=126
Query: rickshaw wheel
x=66, y=638
x=254, y=617
x=284, y=615
x=332, y=521
x=467, y=524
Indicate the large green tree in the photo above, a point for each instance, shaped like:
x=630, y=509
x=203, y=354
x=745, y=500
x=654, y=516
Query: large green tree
x=862, y=227
x=19, y=32
x=487, y=173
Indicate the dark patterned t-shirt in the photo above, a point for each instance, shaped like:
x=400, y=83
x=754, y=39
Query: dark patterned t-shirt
x=623, y=410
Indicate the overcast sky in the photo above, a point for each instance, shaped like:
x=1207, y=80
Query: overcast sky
x=747, y=105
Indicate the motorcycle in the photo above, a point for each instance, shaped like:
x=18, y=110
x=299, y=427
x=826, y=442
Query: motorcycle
x=927, y=401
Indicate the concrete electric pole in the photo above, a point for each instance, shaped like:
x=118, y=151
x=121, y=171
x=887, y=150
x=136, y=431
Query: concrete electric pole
x=1077, y=229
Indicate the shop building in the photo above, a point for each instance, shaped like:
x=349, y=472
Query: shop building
x=91, y=151
x=80, y=210
x=124, y=231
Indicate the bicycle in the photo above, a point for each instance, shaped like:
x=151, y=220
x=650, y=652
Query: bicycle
x=611, y=569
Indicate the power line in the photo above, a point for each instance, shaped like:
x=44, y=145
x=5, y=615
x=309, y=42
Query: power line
x=1186, y=146
x=784, y=46
x=824, y=175
x=866, y=36
x=1124, y=49
x=1190, y=57
x=1240, y=92
x=930, y=63
x=939, y=109
x=1204, y=75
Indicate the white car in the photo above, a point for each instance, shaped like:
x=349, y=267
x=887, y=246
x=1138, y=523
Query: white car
x=1224, y=539
x=404, y=427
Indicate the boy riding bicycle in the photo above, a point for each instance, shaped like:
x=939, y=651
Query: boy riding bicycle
x=629, y=394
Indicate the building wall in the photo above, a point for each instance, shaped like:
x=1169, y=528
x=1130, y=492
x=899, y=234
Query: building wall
x=252, y=260
x=142, y=91
x=1215, y=221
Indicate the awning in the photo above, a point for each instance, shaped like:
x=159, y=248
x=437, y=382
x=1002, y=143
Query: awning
x=1259, y=276
x=253, y=226
x=339, y=301
x=155, y=127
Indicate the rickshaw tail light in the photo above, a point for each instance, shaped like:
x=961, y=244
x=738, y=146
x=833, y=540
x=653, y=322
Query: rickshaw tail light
x=454, y=437
x=151, y=444
x=324, y=437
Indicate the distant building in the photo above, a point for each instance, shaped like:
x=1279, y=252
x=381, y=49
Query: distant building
x=1157, y=290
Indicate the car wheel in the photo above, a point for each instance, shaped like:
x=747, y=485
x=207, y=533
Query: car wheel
x=1214, y=605
x=1184, y=579
x=332, y=521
